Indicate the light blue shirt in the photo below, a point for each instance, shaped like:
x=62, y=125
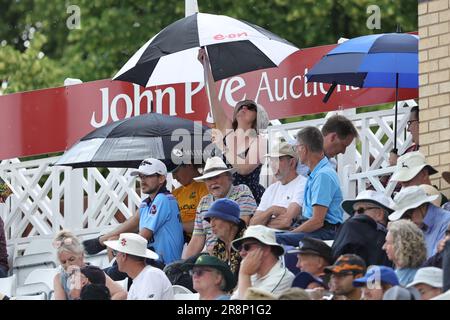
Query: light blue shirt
x=162, y=217
x=405, y=275
x=323, y=188
x=436, y=222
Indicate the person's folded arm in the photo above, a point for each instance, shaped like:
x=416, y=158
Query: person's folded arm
x=315, y=222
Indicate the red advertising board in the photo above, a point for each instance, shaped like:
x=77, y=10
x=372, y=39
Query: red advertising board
x=52, y=120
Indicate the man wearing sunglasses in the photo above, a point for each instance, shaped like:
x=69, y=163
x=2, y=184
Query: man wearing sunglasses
x=364, y=233
x=261, y=267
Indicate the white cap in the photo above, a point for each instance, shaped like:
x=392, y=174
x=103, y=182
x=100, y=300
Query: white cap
x=431, y=276
x=409, y=165
x=132, y=243
x=151, y=166
x=409, y=198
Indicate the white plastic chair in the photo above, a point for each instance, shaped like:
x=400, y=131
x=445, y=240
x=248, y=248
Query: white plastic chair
x=40, y=246
x=34, y=289
x=177, y=289
x=187, y=296
x=8, y=285
x=42, y=275
x=40, y=296
x=24, y=265
x=100, y=260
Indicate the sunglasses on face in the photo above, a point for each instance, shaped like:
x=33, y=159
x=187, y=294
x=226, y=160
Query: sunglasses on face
x=250, y=107
x=362, y=210
x=248, y=246
x=198, y=272
x=447, y=232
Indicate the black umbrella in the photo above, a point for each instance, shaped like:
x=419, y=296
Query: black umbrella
x=234, y=47
x=125, y=143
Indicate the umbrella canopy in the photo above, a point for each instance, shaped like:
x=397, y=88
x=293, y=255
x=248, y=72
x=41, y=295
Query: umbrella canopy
x=234, y=47
x=387, y=60
x=127, y=142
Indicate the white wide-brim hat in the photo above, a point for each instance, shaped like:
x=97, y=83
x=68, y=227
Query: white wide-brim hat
x=409, y=198
x=213, y=167
x=132, y=243
x=261, y=233
x=431, y=276
x=409, y=165
x=377, y=198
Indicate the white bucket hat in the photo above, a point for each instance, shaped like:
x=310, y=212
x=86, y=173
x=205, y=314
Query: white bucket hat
x=431, y=191
x=409, y=165
x=213, y=167
x=409, y=198
x=262, y=234
x=133, y=244
x=151, y=166
x=377, y=198
x=431, y=276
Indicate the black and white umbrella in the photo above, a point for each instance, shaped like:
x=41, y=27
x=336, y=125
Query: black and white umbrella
x=234, y=47
x=125, y=143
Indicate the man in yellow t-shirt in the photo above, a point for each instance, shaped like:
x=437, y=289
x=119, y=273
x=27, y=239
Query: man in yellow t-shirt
x=188, y=195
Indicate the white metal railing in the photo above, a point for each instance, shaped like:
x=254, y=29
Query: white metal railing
x=48, y=198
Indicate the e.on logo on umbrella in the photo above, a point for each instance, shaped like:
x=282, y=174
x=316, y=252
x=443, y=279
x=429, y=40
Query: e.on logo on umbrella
x=230, y=36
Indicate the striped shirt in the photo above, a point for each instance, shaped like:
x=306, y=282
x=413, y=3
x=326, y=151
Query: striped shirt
x=240, y=193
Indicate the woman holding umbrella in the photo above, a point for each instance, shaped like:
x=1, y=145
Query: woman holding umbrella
x=239, y=138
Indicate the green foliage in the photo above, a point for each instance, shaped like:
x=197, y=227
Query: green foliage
x=112, y=30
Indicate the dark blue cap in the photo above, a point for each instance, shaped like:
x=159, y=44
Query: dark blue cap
x=378, y=274
x=224, y=209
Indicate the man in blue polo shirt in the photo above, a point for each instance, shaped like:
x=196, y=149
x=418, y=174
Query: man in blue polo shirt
x=321, y=211
x=159, y=216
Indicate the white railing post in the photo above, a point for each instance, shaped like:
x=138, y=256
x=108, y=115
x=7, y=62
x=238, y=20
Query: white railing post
x=73, y=199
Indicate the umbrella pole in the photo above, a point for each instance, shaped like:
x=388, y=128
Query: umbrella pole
x=396, y=112
x=210, y=117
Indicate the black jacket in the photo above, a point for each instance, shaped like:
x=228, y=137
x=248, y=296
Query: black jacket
x=363, y=236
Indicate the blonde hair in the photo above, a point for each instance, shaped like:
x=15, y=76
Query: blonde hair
x=67, y=241
x=409, y=244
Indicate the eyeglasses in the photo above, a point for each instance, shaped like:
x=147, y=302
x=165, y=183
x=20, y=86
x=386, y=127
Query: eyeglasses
x=247, y=246
x=362, y=210
x=143, y=176
x=114, y=253
x=199, y=272
x=409, y=122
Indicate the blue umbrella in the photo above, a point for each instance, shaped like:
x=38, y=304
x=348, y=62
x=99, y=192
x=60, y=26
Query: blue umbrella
x=388, y=60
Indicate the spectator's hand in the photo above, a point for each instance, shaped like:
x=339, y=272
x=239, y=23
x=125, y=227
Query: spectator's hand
x=202, y=56
x=251, y=262
x=393, y=158
x=441, y=244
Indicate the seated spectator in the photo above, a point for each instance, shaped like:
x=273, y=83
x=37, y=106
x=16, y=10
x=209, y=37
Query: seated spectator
x=376, y=281
x=70, y=254
x=429, y=282
x=322, y=198
x=95, y=292
x=218, y=179
x=344, y=271
x=157, y=220
x=223, y=216
x=261, y=266
x=313, y=256
x=405, y=247
x=436, y=260
x=212, y=278
x=149, y=283
x=86, y=275
x=412, y=203
x=4, y=267
x=188, y=195
x=412, y=170
x=280, y=205
x=364, y=233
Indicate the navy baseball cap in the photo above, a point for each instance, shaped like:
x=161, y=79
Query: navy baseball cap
x=375, y=274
